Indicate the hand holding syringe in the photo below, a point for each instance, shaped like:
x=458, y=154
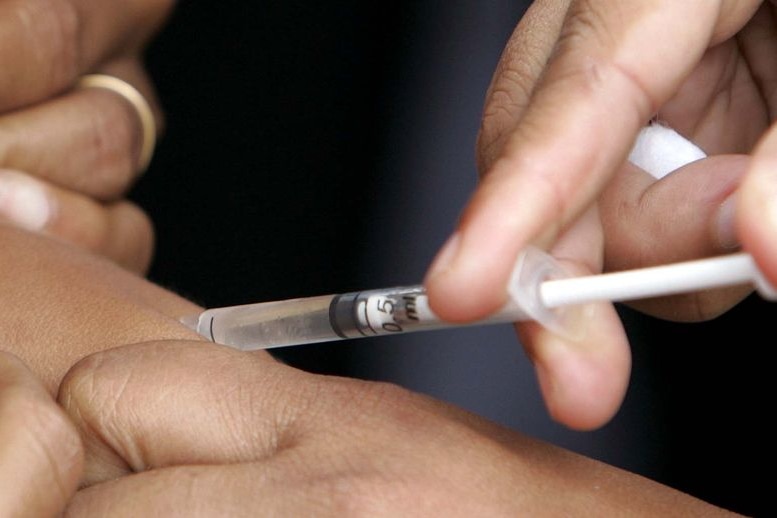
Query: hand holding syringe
x=539, y=290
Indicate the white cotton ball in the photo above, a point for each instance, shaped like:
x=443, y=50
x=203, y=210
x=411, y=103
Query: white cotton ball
x=660, y=150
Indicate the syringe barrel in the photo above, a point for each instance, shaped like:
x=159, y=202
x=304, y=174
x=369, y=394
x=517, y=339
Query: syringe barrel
x=322, y=319
x=270, y=324
x=372, y=313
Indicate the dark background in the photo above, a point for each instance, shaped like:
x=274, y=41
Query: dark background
x=316, y=149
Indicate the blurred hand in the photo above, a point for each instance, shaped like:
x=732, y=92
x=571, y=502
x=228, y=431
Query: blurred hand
x=576, y=82
x=67, y=154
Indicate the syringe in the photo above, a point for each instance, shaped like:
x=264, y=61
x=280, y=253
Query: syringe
x=538, y=290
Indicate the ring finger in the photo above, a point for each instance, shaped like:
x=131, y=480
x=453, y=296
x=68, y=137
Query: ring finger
x=89, y=140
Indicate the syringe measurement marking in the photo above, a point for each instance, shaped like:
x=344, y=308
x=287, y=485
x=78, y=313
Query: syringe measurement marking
x=391, y=327
x=367, y=316
x=410, y=307
x=389, y=307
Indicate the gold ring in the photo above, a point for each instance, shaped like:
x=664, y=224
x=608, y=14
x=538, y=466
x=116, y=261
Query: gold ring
x=136, y=99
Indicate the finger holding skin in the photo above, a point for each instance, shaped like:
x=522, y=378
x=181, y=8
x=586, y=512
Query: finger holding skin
x=598, y=89
x=211, y=405
x=187, y=411
x=45, y=45
x=337, y=447
x=756, y=218
x=120, y=231
x=41, y=455
x=686, y=215
x=87, y=140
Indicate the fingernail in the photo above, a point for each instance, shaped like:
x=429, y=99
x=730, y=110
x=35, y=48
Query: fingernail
x=24, y=202
x=726, y=228
x=445, y=256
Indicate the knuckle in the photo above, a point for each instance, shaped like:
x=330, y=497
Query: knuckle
x=510, y=94
x=500, y=116
x=97, y=387
x=81, y=386
x=597, y=30
x=99, y=383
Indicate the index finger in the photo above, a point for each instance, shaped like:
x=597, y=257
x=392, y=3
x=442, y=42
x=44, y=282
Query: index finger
x=615, y=63
x=45, y=45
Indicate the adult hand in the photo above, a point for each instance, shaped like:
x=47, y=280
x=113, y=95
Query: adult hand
x=41, y=455
x=576, y=83
x=186, y=429
x=68, y=154
x=61, y=304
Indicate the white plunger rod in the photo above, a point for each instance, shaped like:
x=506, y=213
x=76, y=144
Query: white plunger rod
x=643, y=283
